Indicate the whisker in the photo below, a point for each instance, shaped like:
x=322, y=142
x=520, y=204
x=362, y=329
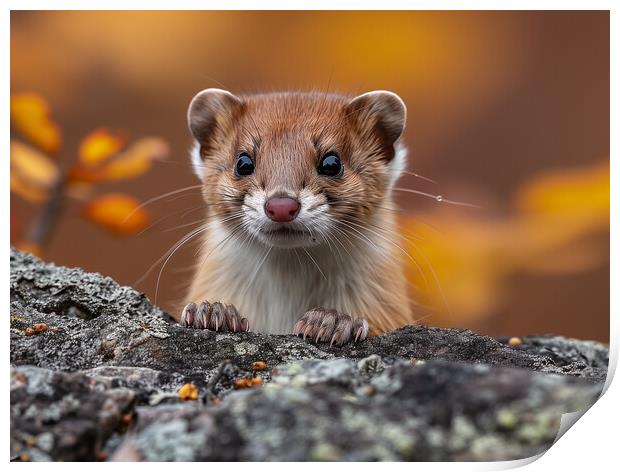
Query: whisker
x=163, y=218
x=438, y=198
x=301, y=266
x=233, y=232
x=150, y=269
x=312, y=259
x=181, y=241
x=417, y=320
x=428, y=264
x=435, y=277
x=185, y=240
x=403, y=250
x=183, y=225
x=419, y=176
x=154, y=199
x=255, y=273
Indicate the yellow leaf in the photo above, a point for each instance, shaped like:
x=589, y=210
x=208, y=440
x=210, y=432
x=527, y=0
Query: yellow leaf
x=32, y=173
x=99, y=146
x=117, y=213
x=131, y=165
x=188, y=391
x=136, y=160
x=573, y=192
x=30, y=115
x=28, y=192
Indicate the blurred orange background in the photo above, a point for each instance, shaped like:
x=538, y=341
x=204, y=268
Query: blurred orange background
x=506, y=110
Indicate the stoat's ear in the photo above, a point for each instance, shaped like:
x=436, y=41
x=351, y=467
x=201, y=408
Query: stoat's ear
x=380, y=110
x=209, y=109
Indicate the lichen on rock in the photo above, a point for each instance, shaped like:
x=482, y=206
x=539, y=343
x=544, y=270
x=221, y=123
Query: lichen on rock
x=102, y=382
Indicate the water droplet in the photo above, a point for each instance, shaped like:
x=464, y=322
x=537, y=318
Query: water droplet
x=439, y=198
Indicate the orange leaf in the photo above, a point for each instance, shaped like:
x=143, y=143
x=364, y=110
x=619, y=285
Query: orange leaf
x=30, y=115
x=568, y=192
x=117, y=213
x=188, y=391
x=32, y=172
x=99, y=146
x=136, y=160
x=26, y=191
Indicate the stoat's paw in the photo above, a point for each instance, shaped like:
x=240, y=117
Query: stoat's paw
x=321, y=325
x=213, y=316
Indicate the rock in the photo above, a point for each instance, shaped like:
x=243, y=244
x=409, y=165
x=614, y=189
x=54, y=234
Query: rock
x=416, y=393
x=63, y=416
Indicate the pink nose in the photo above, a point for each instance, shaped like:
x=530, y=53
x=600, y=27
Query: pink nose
x=282, y=209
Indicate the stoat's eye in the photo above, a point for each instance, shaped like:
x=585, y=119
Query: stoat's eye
x=330, y=165
x=244, y=165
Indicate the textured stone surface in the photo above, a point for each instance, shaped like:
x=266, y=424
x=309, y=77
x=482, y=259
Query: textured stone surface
x=110, y=362
x=68, y=416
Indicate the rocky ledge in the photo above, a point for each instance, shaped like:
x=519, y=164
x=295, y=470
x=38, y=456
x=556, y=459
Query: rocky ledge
x=98, y=373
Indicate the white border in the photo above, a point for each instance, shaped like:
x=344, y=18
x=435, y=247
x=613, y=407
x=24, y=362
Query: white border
x=589, y=444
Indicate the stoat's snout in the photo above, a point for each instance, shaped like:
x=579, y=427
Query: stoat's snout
x=285, y=220
x=282, y=209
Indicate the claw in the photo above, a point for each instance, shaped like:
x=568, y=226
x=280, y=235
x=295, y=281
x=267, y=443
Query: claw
x=188, y=314
x=299, y=326
x=203, y=314
x=231, y=317
x=328, y=325
x=245, y=324
x=217, y=316
x=308, y=330
x=319, y=334
x=361, y=329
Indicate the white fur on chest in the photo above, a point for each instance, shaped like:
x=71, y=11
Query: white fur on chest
x=274, y=289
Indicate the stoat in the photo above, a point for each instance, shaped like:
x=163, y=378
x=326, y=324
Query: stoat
x=300, y=233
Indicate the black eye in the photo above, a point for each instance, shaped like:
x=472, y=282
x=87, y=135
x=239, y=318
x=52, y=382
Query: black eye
x=244, y=165
x=330, y=165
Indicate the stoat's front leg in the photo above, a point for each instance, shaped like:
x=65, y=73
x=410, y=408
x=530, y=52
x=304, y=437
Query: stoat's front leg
x=213, y=316
x=321, y=325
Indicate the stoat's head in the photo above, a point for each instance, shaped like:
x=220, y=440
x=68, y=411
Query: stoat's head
x=296, y=169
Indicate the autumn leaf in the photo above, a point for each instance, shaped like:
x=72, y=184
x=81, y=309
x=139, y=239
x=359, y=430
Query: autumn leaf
x=567, y=192
x=118, y=213
x=32, y=173
x=560, y=211
x=31, y=116
x=133, y=162
x=99, y=146
x=136, y=160
x=188, y=391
